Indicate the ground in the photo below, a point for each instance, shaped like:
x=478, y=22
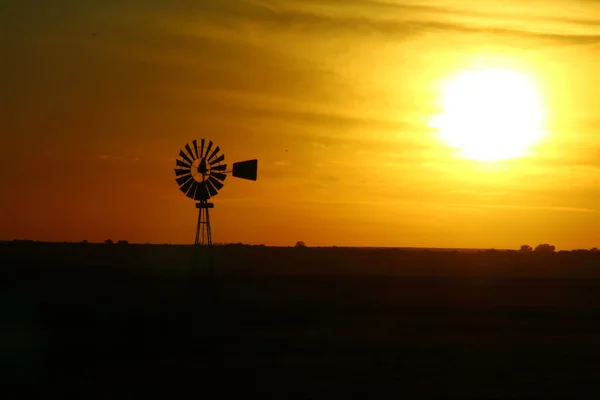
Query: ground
x=307, y=323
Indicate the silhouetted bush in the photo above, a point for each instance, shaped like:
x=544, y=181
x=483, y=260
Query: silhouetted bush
x=545, y=248
x=526, y=249
x=122, y=242
x=108, y=241
x=300, y=243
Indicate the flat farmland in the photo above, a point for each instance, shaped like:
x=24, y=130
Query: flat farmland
x=95, y=320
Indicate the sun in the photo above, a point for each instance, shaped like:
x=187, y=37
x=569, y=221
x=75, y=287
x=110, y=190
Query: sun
x=490, y=114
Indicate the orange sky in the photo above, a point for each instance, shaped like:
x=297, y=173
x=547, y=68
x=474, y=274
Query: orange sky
x=99, y=96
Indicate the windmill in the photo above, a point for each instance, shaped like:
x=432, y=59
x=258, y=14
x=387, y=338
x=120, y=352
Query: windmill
x=200, y=173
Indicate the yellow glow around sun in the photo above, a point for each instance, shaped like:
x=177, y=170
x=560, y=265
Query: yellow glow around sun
x=490, y=114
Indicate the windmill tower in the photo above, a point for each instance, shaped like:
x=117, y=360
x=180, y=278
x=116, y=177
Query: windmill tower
x=200, y=173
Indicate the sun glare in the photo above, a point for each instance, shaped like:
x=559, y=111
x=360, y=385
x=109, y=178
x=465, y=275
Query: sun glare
x=489, y=114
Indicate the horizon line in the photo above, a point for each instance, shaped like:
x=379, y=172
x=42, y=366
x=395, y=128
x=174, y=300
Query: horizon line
x=125, y=242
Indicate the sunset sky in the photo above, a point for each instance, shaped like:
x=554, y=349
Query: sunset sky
x=335, y=98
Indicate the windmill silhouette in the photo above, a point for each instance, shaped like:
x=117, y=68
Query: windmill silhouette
x=200, y=173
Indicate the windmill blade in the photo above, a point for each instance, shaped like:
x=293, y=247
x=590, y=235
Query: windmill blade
x=213, y=154
x=211, y=189
x=183, y=179
x=221, y=167
x=218, y=185
x=201, y=192
x=186, y=186
x=245, y=169
x=218, y=176
x=189, y=150
x=181, y=171
x=218, y=159
x=195, y=143
x=210, y=145
x=201, y=148
x=185, y=156
x=183, y=164
x=192, y=190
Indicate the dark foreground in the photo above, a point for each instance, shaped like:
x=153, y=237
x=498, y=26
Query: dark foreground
x=98, y=320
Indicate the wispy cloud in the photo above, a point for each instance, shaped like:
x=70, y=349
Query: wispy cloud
x=523, y=207
x=360, y=19
x=311, y=115
x=408, y=18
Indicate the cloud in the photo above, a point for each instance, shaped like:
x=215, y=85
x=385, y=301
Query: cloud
x=309, y=115
x=402, y=21
x=587, y=159
x=143, y=21
x=522, y=207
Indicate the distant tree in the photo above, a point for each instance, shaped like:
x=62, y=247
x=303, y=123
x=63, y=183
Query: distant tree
x=545, y=248
x=526, y=249
x=300, y=243
x=108, y=241
x=122, y=242
x=84, y=242
x=594, y=250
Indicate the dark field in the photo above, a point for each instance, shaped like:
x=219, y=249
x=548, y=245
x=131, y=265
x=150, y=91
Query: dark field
x=95, y=320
